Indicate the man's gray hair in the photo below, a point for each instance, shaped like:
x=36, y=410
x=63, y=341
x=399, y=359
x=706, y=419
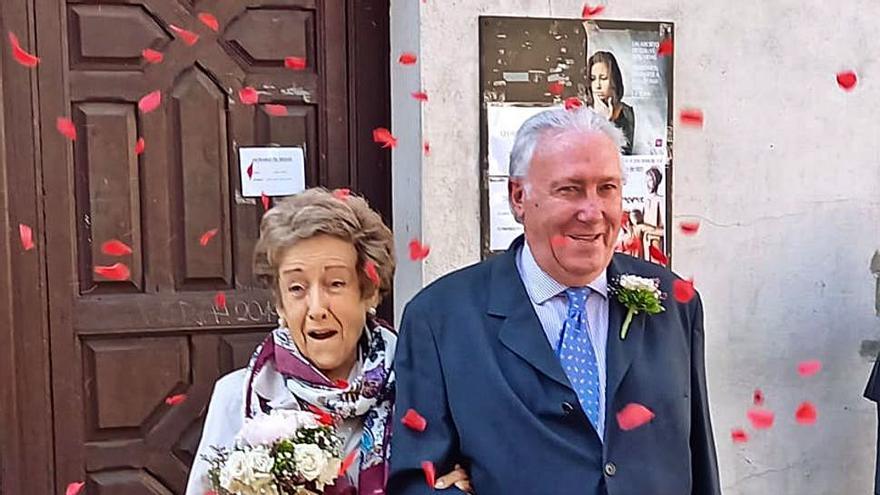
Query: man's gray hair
x=556, y=121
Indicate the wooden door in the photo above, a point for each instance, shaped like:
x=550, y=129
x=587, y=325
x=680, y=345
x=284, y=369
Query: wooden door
x=120, y=348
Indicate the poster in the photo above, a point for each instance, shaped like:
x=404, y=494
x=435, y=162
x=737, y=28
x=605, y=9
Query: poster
x=273, y=171
x=644, y=206
x=503, y=227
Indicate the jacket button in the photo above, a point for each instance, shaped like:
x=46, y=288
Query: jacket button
x=567, y=408
x=610, y=469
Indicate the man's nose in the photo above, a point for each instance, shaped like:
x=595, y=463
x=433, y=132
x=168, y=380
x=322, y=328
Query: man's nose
x=589, y=210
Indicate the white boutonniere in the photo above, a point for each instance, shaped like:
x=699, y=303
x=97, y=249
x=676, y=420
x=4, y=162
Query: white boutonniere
x=638, y=294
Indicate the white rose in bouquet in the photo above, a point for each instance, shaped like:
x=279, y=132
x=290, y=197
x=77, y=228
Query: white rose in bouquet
x=277, y=425
x=310, y=461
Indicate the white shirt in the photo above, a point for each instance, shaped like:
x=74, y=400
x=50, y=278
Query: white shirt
x=551, y=305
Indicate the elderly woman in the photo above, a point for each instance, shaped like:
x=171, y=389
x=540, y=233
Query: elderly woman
x=328, y=260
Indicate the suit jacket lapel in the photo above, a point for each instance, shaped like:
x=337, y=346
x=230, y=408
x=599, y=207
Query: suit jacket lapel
x=521, y=331
x=619, y=353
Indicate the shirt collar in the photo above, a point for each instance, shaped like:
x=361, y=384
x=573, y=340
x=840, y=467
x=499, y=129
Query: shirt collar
x=541, y=287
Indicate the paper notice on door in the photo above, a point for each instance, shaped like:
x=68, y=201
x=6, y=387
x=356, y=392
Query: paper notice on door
x=272, y=171
x=503, y=228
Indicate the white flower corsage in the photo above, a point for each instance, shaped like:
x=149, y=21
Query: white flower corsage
x=637, y=294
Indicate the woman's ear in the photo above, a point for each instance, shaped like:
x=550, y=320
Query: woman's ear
x=373, y=300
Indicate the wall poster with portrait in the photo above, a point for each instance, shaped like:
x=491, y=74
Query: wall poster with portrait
x=531, y=64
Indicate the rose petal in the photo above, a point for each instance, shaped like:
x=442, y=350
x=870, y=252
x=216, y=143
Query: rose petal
x=140, y=146
x=150, y=101
x=573, y=102
x=806, y=414
x=556, y=88
x=420, y=95
x=342, y=193
x=665, y=48
x=430, y=475
x=248, y=95
x=276, y=110
x=407, y=58
x=683, y=290
x=658, y=255
x=414, y=421
x=188, y=37
x=265, y=200
x=74, y=488
x=295, y=63
x=373, y=275
x=847, y=80
x=689, y=228
x=210, y=21
x=417, y=250
x=220, y=300
x=558, y=241
x=66, y=127
x=589, y=11
x=323, y=416
x=761, y=418
x=633, y=415
x=739, y=435
x=426, y=148
x=115, y=247
x=116, y=271
x=384, y=137
x=26, y=235
x=809, y=368
x=20, y=55
x=348, y=461
x=758, y=397
x=175, y=399
x=207, y=236
x=692, y=117
x=152, y=56
x=341, y=383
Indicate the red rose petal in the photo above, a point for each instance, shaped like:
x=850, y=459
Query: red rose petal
x=22, y=57
x=295, y=63
x=426, y=148
x=250, y=171
x=188, y=37
x=116, y=271
x=665, y=48
x=558, y=241
x=384, y=137
x=809, y=368
x=689, y=228
x=74, y=488
x=152, y=56
x=115, y=247
x=407, y=58
x=323, y=416
x=414, y=421
x=175, y=399
x=758, y=397
x=806, y=414
x=265, y=200
x=342, y=193
x=66, y=127
x=140, y=146
x=573, y=102
x=589, y=11
x=210, y=21
x=373, y=275
x=658, y=255
x=420, y=95
x=27, y=237
x=276, y=110
x=150, y=102
x=207, y=236
x=341, y=383
x=248, y=95
x=739, y=435
x=348, y=461
x=633, y=415
x=556, y=88
x=430, y=475
x=692, y=117
x=417, y=250
x=847, y=80
x=220, y=300
x=761, y=418
x=683, y=290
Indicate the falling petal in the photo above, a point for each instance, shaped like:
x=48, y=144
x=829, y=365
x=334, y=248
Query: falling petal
x=140, y=146
x=248, y=95
x=22, y=57
x=692, y=117
x=689, y=228
x=758, y=397
x=210, y=21
x=658, y=256
x=420, y=95
x=384, y=137
x=342, y=193
x=150, y=101
x=589, y=11
x=74, y=488
x=417, y=250
x=276, y=110
x=295, y=63
x=66, y=127
x=430, y=474
x=323, y=416
x=761, y=418
x=26, y=235
x=806, y=414
x=847, y=80
x=739, y=435
x=573, y=102
x=348, y=461
x=683, y=290
x=207, y=236
x=407, y=58
x=373, y=275
x=414, y=421
x=809, y=368
x=558, y=241
x=556, y=88
x=426, y=148
x=115, y=247
x=633, y=416
x=116, y=271
x=220, y=301
x=341, y=383
x=175, y=399
x=152, y=56
x=665, y=48
x=265, y=200
x=188, y=37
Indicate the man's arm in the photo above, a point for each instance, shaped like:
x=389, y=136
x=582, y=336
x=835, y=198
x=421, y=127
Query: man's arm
x=703, y=458
x=420, y=386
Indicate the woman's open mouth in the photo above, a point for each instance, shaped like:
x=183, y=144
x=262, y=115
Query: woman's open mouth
x=321, y=334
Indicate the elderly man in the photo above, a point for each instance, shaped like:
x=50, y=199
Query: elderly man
x=524, y=365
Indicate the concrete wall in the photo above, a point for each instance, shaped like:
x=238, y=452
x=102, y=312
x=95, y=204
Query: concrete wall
x=785, y=176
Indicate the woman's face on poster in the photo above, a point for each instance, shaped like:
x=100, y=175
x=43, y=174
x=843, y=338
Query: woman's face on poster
x=600, y=81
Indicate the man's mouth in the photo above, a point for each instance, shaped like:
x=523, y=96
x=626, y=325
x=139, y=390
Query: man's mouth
x=321, y=334
x=586, y=238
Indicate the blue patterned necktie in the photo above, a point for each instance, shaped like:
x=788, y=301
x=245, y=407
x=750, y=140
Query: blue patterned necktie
x=576, y=354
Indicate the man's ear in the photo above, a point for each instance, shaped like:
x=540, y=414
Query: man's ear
x=516, y=190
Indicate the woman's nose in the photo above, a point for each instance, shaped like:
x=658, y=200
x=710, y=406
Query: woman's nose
x=317, y=304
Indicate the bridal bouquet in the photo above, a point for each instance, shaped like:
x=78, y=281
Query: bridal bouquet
x=282, y=453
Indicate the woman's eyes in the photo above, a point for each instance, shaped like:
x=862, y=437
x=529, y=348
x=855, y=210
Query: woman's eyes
x=338, y=284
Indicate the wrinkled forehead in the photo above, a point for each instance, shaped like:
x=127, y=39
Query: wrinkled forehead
x=585, y=155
